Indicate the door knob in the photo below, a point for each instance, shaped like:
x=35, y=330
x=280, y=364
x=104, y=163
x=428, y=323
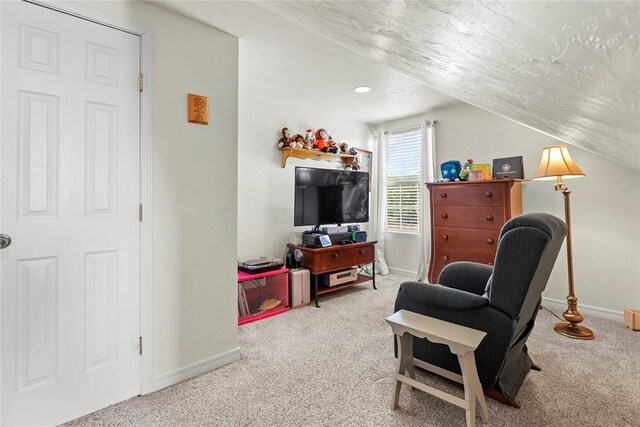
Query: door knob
x=5, y=240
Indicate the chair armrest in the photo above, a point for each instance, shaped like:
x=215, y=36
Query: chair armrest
x=466, y=276
x=440, y=296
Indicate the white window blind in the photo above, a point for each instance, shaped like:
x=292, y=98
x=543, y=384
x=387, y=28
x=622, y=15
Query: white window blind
x=403, y=181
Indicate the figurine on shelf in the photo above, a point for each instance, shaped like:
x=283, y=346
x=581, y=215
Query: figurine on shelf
x=321, y=135
x=464, y=174
x=353, y=151
x=325, y=143
x=343, y=148
x=286, y=140
x=355, y=166
x=298, y=141
x=309, y=140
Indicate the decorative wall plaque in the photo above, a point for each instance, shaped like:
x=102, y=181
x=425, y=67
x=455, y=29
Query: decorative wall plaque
x=198, y=109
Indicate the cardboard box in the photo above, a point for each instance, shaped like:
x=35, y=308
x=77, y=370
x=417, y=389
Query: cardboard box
x=632, y=319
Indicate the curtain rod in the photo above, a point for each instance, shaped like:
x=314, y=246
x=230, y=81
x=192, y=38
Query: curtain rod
x=404, y=129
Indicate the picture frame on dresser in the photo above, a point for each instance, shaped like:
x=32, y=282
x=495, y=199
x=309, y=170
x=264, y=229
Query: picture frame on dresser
x=508, y=167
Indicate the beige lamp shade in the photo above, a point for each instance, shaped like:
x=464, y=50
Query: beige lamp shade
x=556, y=162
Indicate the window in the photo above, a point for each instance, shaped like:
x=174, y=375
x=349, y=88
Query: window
x=403, y=181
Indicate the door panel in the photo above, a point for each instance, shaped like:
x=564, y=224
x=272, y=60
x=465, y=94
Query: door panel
x=35, y=315
x=70, y=291
x=38, y=140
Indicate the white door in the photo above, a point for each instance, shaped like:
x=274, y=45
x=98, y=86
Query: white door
x=70, y=286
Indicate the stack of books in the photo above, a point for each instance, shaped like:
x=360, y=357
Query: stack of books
x=243, y=304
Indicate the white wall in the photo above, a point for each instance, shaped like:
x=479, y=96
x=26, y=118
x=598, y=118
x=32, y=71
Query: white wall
x=265, y=189
x=401, y=252
x=604, y=204
x=195, y=191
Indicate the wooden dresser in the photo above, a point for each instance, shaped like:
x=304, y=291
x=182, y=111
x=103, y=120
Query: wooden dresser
x=466, y=218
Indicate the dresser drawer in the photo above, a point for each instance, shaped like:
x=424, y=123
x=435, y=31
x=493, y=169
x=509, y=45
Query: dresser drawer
x=454, y=240
x=442, y=257
x=468, y=195
x=485, y=217
x=343, y=258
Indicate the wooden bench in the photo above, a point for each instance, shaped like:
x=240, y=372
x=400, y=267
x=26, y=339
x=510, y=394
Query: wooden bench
x=462, y=342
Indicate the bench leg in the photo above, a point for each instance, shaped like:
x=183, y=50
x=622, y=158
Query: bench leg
x=472, y=389
x=404, y=364
x=395, y=389
x=407, y=356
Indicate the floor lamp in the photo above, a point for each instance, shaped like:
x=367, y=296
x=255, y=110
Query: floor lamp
x=556, y=163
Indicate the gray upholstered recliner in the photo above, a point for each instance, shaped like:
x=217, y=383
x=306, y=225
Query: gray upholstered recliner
x=502, y=300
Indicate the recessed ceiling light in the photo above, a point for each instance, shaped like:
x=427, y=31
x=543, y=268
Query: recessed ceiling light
x=362, y=89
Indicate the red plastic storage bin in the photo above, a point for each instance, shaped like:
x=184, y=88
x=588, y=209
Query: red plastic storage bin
x=262, y=295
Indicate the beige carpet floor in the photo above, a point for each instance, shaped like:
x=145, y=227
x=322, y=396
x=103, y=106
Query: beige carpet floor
x=332, y=367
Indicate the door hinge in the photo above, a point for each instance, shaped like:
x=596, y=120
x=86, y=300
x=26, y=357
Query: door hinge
x=140, y=212
x=140, y=346
x=141, y=82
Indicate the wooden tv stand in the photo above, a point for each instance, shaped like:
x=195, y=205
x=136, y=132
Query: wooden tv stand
x=335, y=258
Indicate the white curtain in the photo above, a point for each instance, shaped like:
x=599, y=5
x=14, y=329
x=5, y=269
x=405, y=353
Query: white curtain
x=428, y=174
x=380, y=199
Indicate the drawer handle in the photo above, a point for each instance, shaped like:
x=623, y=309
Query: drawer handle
x=490, y=241
x=445, y=216
x=443, y=195
x=446, y=258
x=445, y=237
x=335, y=255
x=489, y=217
x=488, y=194
x=489, y=263
x=361, y=251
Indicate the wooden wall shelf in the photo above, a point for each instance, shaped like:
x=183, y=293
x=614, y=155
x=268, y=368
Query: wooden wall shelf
x=302, y=153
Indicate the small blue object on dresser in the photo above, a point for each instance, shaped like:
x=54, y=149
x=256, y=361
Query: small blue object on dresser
x=450, y=170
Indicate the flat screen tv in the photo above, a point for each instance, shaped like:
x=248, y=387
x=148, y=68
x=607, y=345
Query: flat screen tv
x=331, y=196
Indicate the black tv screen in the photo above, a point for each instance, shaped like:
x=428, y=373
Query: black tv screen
x=330, y=196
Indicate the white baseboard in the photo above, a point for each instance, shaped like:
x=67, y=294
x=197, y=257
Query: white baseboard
x=198, y=368
x=402, y=272
x=585, y=309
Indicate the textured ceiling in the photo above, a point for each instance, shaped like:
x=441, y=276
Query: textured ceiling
x=568, y=69
x=297, y=67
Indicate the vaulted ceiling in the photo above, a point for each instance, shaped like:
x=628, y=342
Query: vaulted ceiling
x=298, y=67
x=568, y=69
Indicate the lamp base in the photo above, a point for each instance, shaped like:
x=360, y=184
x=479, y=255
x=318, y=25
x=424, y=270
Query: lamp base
x=573, y=330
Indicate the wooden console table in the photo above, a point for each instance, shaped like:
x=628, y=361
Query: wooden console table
x=335, y=258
